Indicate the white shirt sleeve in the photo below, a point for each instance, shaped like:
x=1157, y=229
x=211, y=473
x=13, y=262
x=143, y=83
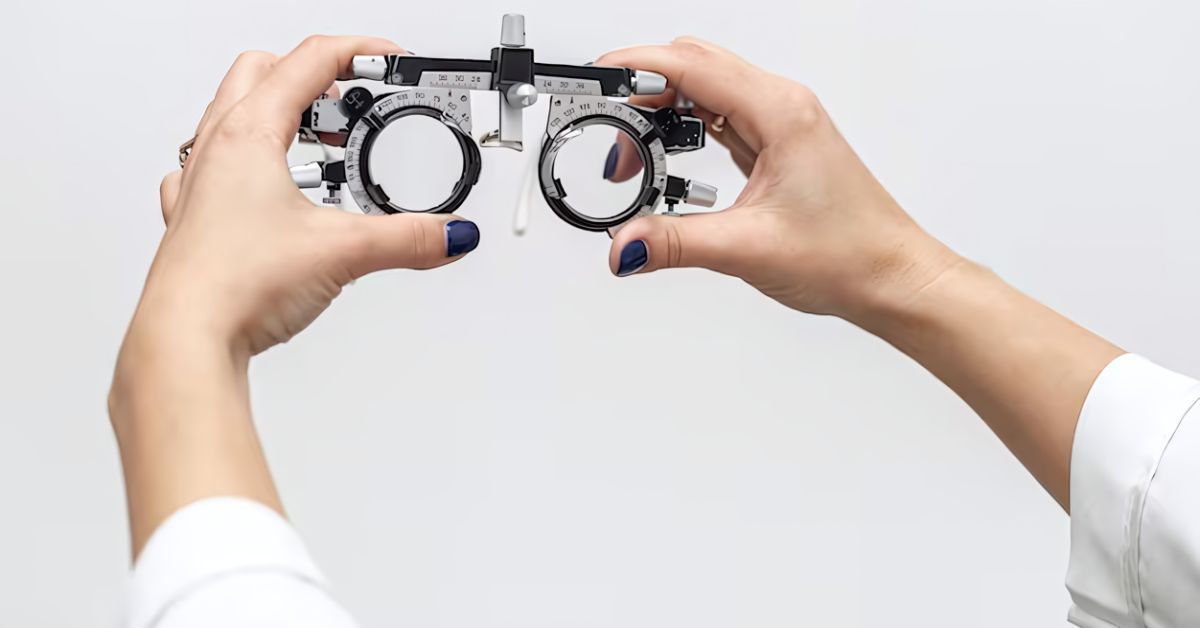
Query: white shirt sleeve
x=1135, y=500
x=233, y=563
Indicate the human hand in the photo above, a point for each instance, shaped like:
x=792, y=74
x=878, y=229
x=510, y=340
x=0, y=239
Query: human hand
x=247, y=261
x=246, y=256
x=812, y=229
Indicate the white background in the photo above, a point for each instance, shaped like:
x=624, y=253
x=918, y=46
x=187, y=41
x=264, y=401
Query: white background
x=522, y=439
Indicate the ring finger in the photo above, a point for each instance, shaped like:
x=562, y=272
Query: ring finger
x=247, y=70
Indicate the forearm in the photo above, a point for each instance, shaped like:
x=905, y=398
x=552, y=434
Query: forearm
x=1023, y=367
x=181, y=413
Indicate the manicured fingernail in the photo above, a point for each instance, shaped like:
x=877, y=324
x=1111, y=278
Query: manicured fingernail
x=633, y=258
x=462, y=236
x=610, y=162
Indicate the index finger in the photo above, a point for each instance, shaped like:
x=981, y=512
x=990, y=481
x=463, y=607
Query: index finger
x=713, y=77
x=304, y=74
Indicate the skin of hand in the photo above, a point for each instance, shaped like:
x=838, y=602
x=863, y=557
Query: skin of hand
x=247, y=261
x=814, y=230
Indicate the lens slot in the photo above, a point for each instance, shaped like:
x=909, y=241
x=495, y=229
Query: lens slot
x=416, y=163
x=600, y=173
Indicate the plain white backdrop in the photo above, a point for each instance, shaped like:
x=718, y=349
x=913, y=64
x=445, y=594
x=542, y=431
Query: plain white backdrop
x=523, y=440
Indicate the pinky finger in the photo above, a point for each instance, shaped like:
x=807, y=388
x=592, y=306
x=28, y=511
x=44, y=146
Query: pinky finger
x=168, y=195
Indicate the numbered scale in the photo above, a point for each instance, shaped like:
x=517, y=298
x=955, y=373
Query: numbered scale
x=582, y=96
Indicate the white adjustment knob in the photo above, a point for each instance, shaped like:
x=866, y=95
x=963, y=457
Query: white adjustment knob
x=700, y=194
x=308, y=176
x=512, y=31
x=369, y=67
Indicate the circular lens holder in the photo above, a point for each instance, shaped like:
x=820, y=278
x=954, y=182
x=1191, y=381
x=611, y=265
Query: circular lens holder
x=441, y=105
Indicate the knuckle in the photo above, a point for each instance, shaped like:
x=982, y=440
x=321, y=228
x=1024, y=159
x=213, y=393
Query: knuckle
x=168, y=191
x=167, y=182
x=315, y=43
x=254, y=58
x=234, y=124
x=674, y=244
x=418, y=243
x=691, y=52
x=803, y=107
x=239, y=125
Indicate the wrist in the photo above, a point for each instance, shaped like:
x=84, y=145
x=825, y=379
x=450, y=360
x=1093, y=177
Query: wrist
x=180, y=411
x=912, y=263
x=178, y=304
x=168, y=354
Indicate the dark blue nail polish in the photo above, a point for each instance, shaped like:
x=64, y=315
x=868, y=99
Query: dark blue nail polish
x=633, y=258
x=462, y=236
x=610, y=162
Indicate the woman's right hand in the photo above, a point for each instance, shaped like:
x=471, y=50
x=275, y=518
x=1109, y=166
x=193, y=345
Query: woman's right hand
x=812, y=229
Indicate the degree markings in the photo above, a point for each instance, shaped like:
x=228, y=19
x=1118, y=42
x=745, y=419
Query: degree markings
x=453, y=105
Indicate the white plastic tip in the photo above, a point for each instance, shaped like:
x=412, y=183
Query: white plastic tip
x=308, y=176
x=512, y=31
x=369, y=67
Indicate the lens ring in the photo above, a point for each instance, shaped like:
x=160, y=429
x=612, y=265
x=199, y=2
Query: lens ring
x=471, y=161
x=555, y=195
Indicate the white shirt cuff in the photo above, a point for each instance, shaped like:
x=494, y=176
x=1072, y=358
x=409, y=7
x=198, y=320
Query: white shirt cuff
x=1130, y=414
x=206, y=541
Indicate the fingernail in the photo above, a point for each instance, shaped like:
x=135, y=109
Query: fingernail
x=610, y=162
x=633, y=258
x=462, y=236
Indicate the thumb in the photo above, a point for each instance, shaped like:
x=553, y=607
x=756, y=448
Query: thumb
x=418, y=241
x=719, y=241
